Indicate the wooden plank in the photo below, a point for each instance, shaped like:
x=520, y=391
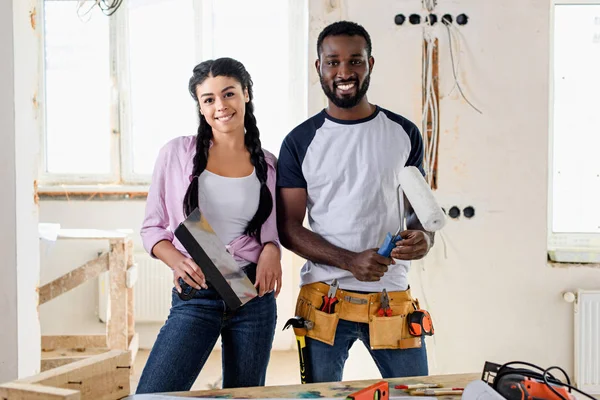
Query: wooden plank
x=72, y=279
x=101, y=377
x=134, y=346
x=132, y=274
x=327, y=390
x=116, y=326
x=51, y=363
x=56, y=358
x=50, y=343
x=26, y=391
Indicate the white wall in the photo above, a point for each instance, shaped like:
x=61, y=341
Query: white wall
x=8, y=207
x=486, y=282
x=19, y=130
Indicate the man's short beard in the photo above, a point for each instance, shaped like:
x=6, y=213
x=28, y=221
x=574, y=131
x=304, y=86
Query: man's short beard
x=346, y=102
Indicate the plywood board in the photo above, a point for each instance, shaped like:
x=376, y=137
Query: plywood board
x=322, y=390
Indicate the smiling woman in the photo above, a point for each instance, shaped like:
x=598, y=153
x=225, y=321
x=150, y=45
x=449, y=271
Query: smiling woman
x=202, y=172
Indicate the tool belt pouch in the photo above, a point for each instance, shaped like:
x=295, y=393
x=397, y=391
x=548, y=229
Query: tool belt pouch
x=324, y=324
x=392, y=332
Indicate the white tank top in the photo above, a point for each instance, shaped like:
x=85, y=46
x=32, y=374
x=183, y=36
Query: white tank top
x=228, y=203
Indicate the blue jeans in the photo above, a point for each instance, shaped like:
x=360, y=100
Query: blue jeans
x=191, y=332
x=327, y=362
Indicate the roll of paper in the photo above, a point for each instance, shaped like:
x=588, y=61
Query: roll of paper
x=421, y=198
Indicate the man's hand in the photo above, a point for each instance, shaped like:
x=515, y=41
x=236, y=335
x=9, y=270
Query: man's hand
x=368, y=266
x=190, y=272
x=268, y=271
x=413, y=246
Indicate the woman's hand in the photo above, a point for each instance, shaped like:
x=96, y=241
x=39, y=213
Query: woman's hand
x=182, y=266
x=268, y=271
x=190, y=272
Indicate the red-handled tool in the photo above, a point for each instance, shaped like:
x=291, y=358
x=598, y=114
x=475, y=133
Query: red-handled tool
x=330, y=301
x=385, y=310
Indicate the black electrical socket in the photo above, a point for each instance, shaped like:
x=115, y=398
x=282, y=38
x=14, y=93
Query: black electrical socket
x=399, y=19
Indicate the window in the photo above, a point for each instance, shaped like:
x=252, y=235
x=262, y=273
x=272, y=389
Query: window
x=116, y=87
x=575, y=132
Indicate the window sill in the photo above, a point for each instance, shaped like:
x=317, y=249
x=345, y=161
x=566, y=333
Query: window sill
x=570, y=259
x=556, y=264
x=92, y=192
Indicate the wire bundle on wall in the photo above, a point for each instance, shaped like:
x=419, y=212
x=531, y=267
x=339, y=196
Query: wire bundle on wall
x=108, y=7
x=430, y=108
x=455, y=68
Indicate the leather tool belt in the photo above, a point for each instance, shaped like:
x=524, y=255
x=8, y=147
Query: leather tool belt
x=385, y=332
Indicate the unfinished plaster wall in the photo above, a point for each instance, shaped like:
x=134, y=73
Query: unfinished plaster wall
x=19, y=245
x=8, y=205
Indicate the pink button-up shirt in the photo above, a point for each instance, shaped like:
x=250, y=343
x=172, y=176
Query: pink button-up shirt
x=164, y=207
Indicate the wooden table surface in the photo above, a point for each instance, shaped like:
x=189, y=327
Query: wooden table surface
x=316, y=390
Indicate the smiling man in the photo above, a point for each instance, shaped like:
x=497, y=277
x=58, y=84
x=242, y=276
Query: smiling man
x=343, y=165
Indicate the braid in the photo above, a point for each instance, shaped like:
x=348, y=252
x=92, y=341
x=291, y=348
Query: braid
x=257, y=157
x=190, y=201
x=232, y=68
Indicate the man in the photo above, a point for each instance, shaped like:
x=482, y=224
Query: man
x=343, y=164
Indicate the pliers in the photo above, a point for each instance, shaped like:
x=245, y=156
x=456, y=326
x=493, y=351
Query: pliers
x=385, y=310
x=330, y=301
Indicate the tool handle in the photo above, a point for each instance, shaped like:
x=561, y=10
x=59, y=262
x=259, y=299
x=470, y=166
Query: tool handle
x=187, y=291
x=387, y=246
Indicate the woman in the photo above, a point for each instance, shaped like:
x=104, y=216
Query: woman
x=224, y=171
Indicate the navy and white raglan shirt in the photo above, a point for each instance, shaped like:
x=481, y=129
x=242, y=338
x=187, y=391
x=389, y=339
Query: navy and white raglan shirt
x=350, y=171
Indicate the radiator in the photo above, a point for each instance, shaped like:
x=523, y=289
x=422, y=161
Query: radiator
x=587, y=341
x=152, y=290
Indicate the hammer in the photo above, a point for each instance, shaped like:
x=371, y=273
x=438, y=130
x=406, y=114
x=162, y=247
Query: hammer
x=301, y=326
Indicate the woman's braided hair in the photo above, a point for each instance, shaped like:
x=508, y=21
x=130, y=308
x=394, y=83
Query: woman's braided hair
x=234, y=69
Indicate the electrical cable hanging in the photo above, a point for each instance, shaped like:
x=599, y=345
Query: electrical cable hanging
x=108, y=7
x=455, y=69
x=430, y=108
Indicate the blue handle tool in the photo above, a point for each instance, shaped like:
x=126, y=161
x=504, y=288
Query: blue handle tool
x=390, y=240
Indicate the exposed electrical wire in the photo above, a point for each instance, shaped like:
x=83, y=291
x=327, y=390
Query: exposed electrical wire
x=108, y=7
x=429, y=4
x=454, y=69
x=85, y=15
x=430, y=108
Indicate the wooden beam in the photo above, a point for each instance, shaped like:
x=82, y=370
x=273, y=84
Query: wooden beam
x=100, y=377
x=60, y=357
x=134, y=346
x=116, y=325
x=51, y=363
x=435, y=70
x=50, y=343
x=131, y=279
x=72, y=279
x=27, y=391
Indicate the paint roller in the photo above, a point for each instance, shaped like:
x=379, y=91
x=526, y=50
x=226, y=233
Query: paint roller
x=421, y=198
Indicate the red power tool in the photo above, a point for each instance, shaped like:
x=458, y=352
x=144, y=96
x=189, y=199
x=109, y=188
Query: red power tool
x=524, y=383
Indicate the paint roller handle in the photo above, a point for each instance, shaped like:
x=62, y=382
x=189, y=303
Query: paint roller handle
x=388, y=245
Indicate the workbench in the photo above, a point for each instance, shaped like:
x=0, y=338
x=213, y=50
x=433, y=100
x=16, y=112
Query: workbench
x=315, y=390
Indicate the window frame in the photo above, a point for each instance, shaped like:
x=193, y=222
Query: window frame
x=564, y=247
x=122, y=178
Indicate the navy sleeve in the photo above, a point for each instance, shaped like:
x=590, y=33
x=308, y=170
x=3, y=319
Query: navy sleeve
x=293, y=150
x=289, y=167
x=415, y=158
